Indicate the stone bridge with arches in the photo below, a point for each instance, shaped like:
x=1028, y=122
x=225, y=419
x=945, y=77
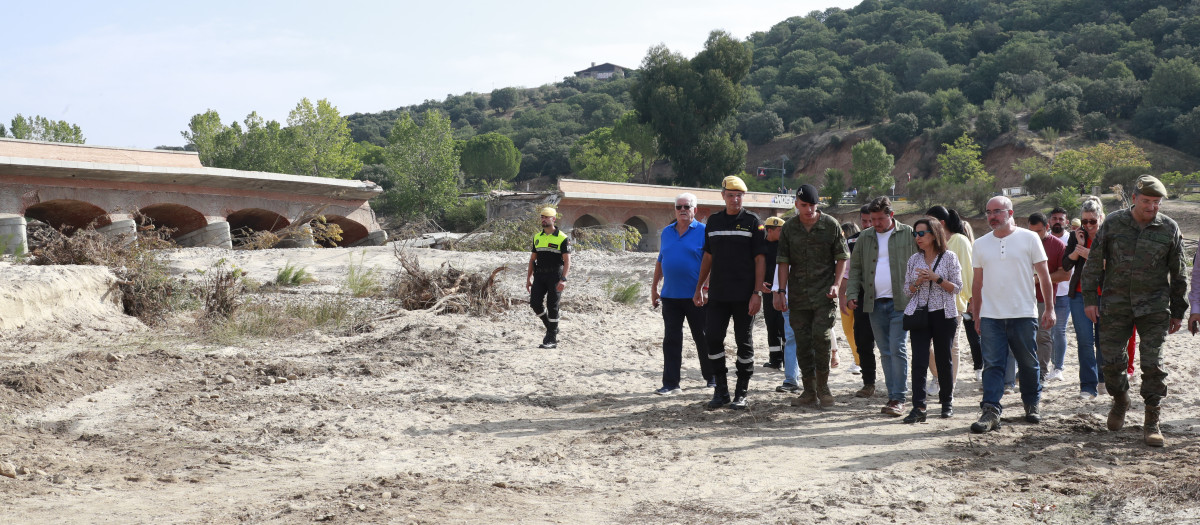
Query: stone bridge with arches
x=69, y=186
x=648, y=208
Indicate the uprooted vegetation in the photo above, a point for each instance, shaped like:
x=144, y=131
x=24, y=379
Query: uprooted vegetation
x=447, y=289
x=148, y=291
x=516, y=234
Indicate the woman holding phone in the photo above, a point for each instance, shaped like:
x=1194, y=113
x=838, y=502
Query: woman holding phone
x=1078, y=248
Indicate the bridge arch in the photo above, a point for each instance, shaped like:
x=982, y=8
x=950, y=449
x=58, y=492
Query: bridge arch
x=257, y=220
x=68, y=214
x=352, y=231
x=642, y=224
x=182, y=219
x=586, y=220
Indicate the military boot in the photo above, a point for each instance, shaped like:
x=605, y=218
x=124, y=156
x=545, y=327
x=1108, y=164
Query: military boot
x=866, y=391
x=1116, y=415
x=1152, y=434
x=809, y=396
x=823, y=393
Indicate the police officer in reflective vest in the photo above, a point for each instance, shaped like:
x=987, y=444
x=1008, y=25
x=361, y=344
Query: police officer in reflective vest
x=547, y=275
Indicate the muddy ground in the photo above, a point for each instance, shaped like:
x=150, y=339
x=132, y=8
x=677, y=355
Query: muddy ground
x=424, y=418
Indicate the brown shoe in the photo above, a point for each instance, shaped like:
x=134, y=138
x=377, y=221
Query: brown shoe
x=865, y=391
x=809, y=396
x=893, y=408
x=1152, y=434
x=823, y=393
x=1116, y=415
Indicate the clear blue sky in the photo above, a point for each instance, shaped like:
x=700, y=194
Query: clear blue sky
x=133, y=73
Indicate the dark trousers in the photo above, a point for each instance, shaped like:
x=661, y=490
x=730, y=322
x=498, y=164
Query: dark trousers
x=545, y=290
x=973, y=342
x=716, y=323
x=775, y=335
x=864, y=339
x=941, y=332
x=674, y=311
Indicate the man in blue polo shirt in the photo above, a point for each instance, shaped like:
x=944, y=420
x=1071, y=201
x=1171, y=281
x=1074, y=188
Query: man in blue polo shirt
x=681, y=248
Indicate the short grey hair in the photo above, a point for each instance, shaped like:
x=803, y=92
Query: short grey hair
x=1092, y=203
x=691, y=199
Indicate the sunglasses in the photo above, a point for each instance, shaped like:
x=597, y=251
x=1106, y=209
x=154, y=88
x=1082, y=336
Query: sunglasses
x=1089, y=221
x=683, y=206
x=921, y=233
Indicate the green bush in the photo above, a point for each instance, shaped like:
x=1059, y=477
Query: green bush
x=465, y=215
x=624, y=292
x=1095, y=126
x=1065, y=197
x=293, y=276
x=362, y=281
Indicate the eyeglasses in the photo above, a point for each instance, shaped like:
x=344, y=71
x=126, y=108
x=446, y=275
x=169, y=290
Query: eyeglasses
x=996, y=212
x=683, y=206
x=1089, y=221
x=921, y=233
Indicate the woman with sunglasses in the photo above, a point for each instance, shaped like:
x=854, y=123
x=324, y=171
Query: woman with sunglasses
x=933, y=280
x=1078, y=248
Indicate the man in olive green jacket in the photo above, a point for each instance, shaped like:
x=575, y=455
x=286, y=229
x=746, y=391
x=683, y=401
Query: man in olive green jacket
x=877, y=268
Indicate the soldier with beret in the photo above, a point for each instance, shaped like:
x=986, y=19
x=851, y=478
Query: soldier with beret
x=812, y=259
x=733, y=267
x=1137, y=259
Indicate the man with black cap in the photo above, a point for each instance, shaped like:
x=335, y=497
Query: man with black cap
x=812, y=259
x=1137, y=260
x=733, y=254
x=546, y=276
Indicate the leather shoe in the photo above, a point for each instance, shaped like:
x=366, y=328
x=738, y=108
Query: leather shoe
x=893, y=408
x=915, y=416
x=718, y=401
x=947, y=411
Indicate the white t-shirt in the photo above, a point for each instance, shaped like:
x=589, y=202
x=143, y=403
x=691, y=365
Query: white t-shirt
x=883, y=272
x=1008, y=274
x=1062, y=288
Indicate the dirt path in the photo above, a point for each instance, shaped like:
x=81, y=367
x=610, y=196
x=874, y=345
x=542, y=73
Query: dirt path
x=459, y=419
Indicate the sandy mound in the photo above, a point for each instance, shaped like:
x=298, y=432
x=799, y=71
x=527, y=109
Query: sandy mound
x=60, y=297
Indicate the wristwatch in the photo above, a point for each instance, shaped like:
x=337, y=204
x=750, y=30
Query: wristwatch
x=563, y=278
x=939, y=281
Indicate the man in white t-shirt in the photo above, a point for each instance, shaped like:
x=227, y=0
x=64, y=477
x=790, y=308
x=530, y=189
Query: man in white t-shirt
x=1005, y=303
x=1060, y=228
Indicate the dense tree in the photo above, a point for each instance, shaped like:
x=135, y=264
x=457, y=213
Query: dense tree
x=760, y=128
x=504, y=99
x=834, y=186
x=687, y=101
x=320, y=141
x=960, y=162
x=641, y=139
x=42, y=129
x=868, y=93
x=490, y=157
x=600, y=156
x=1175, y=83
x=870, y=169
x=424, y=161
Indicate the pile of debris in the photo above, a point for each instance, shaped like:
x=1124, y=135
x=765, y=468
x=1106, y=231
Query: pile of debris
x=447, y=289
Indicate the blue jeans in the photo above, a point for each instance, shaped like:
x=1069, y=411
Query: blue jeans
x=1062, y=310
x=888, y=325
x=1085, y=336
x=791, y=371
x=999, y=337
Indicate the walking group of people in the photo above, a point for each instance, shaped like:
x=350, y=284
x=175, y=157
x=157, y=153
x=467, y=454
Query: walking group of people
x=1011, y=292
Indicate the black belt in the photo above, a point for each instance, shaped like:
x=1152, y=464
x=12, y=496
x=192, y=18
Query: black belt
x=887, y=299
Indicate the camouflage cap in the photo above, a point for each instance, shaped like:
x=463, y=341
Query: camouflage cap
x=1150, y=186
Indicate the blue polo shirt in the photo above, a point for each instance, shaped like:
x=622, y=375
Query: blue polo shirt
x=680, y=256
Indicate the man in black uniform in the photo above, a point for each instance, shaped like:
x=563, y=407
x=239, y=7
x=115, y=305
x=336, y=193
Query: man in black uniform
x=547, y=275
x=733, y=254
x=773, y=317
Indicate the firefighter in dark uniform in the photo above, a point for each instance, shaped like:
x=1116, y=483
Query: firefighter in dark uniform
x=773, y=317
x=733, y=266
x=546, y=278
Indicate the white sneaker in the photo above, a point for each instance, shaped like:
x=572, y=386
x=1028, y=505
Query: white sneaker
x=1054, y=375
x=1008, y=390
x=855, y=369
x=1087, y=396
x=979, y=375
x=932, y=388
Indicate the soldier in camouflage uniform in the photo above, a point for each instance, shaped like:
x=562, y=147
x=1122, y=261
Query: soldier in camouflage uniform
x=812, y=259
x=1137, y=263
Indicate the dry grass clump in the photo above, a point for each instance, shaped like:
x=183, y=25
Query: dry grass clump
x=259, y=319
x=148, y=291
x=447, y=289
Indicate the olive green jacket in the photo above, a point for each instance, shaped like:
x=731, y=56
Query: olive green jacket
x=1137, y=267
x=901, y=247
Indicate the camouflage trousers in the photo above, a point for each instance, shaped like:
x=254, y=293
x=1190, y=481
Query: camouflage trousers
x=1115, y=327
x=813, y=331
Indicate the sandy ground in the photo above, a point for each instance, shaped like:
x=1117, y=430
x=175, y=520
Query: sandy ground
x=461, y=419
